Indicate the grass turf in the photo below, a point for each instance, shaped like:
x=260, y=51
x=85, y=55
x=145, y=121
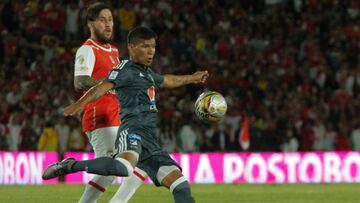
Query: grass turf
x=219, y=193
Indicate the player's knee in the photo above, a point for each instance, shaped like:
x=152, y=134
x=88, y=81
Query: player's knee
x=166, y=175
x=179, y=184
x=123, y=167
x=131, y=156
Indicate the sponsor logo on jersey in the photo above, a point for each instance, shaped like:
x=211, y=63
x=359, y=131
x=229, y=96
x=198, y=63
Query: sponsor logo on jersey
x=81, y=68
x=80, y=59
x=151, y=95
x=113, y=75
x=133, y=136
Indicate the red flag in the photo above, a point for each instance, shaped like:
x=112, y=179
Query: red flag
x=244, y=134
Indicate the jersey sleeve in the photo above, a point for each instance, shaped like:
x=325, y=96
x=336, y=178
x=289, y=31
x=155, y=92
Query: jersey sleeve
x=84, y=61
x=120, y=77
x=158, y=79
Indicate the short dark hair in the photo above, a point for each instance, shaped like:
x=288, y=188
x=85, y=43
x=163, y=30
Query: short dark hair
x=94, y=10
x=140, y=33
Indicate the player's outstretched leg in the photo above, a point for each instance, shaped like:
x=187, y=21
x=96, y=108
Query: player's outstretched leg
x=101, y=166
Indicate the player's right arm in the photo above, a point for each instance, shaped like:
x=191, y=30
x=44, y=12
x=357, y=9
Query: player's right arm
x=92, y=94
x=116, y=78
x=84, y=66
x=85, y=82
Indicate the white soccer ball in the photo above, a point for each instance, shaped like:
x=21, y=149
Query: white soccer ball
x=210, y=107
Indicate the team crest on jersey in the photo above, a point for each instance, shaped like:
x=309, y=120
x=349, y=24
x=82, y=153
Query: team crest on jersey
x=151, y=94
x=113, y=75
x=112, y=59
x=80, y=59
x=133, y=136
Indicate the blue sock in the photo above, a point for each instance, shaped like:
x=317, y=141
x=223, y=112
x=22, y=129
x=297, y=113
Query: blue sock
x=182, y=193
x=102, y=166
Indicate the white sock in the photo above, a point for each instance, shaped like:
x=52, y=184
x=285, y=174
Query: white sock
x=95, y=188
x=129, y=186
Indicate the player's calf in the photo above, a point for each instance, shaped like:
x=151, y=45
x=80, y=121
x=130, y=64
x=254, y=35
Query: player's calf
x=121, y=164
x=101, y=166
x=181, y=191
x=104, y=166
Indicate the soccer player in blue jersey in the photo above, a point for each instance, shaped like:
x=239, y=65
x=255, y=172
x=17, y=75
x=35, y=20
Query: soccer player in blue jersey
x=135, y=85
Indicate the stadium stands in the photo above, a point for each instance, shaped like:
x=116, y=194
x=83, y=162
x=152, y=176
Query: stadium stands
x=292, y=66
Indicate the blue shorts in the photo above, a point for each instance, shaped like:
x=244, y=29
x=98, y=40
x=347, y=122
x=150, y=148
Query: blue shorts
x=151, y=155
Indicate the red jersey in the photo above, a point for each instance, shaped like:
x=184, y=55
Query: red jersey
x=96, y=60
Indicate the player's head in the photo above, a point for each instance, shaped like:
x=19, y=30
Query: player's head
x=141, y=44
x=100, y=22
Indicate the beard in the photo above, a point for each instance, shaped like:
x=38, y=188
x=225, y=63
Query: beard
x=101, y=38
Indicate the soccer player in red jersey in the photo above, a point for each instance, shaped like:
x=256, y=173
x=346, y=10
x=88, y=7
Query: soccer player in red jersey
x=100, y=121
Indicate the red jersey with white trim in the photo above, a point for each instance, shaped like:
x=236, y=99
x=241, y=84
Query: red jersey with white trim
x=96, y=60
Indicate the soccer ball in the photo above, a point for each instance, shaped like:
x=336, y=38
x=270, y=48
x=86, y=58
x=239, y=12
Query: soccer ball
x=210, y=107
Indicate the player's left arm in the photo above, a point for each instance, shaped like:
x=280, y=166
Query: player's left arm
x=173, y=81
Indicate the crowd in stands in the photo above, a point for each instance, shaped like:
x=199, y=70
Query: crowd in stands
x=291, y=66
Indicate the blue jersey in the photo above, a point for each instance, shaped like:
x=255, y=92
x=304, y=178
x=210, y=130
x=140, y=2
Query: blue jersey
x=135, y=86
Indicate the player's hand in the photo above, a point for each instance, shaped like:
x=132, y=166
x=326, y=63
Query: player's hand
x=73, y=109
x=200, y=76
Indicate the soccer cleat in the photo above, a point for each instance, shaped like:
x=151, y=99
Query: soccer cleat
x=58, y=169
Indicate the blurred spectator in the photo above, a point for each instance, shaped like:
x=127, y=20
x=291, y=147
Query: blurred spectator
x=63, y=132
x=8, y=16
x=3, y=141
x=355, y=136
x=206, y=143
x=54, y=15
x=48, y=140
x=167, y=137
x=29, y=137
x=307, y=137
x=220, y=139
x=127, y=19
x=76, y=138
x=14, y=96
x=319, y=135
x=188, y=138
x=15, y=126
x=330, y=136
x=49, y=45
x=291, y=143
x=342, y=139
x=72, y=21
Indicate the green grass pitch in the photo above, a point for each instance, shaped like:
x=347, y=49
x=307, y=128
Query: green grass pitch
x=219, y=193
